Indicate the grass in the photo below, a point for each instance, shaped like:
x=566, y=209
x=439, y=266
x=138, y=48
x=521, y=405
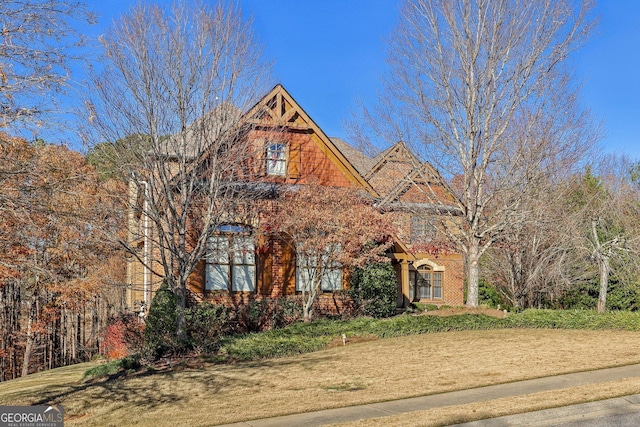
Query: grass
x=505, y=406
x=307, y=337
x=112, y=368
x=394, y=365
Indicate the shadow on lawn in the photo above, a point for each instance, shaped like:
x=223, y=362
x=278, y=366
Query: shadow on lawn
x=153, y=388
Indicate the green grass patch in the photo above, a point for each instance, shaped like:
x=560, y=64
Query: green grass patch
x=112, y=368
x=307, y=337
x=575, y=319
x=300, y=338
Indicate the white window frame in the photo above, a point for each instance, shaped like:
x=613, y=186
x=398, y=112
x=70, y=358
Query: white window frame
x=217, y=263
x=243, y=264
x=330, y=272
x=231, y=257
x=433, y=284
x=276, y=159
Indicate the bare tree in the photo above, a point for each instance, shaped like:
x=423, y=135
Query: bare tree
x=40, y=41
x=605, y=222
x=535, y=262
x=482, y=90
x=168, y=102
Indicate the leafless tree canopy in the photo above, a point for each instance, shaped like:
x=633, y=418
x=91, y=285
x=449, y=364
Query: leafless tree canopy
x=604, y=225
x=482, y=89
x=39, y=41
x=175, y=84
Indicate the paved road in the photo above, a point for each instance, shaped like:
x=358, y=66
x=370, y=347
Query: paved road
x=621, y=410
x=618, y=412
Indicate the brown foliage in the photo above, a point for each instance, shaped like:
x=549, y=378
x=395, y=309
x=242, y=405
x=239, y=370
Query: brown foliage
x=54, y=215
x=330, y=227
x=122, y=337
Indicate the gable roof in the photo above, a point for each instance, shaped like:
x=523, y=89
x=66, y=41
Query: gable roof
x=398, y=154
x=279, y=109
x=396, y=171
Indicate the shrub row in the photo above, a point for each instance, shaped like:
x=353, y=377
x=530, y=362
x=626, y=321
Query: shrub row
x=207, y=324
x=301, y=337
x=304, y=337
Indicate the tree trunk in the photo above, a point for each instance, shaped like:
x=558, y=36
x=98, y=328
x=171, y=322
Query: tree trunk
x=30, y=339
x=181, y=326
x=604, y=267
x=473, y=274
x=307, y=304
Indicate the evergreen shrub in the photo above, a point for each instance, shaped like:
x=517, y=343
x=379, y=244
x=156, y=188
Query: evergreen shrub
x=207, y=324
x=373, y=290
x=160, y=329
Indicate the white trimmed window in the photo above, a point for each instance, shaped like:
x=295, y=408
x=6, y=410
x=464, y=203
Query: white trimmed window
x=231, y=261
x=308, y=268
x=426, y=284
x=276, y=159
x=217, y=268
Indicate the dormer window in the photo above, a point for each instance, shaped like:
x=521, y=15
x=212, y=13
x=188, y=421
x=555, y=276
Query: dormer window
x=277, y=159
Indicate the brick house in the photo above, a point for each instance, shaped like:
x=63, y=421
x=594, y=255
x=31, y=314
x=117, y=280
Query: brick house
x=294, y=151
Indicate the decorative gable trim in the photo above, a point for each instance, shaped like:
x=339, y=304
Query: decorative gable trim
x=420, y=174
x=278, y=109
x=398, y=153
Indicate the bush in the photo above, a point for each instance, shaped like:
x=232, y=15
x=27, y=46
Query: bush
x=583, y=296
x=622, y=296
x=255, y=316
x=206, y=325
x=160, y=331
x=374, y=290
x=113, y=368
x=122, y=337
x=489, y=295
x=285, y=312
x=263, y=315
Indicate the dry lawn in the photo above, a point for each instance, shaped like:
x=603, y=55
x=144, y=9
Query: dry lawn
x=358, y=373
x=506, y=406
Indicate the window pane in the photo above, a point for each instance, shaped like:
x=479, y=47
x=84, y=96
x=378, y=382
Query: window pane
x=307, y=270
x=416, y=228
x=424, y=284
x=422, y=229
x=243, y=250
x=277, y=159
x=233, y=228
x=244, y=278
x=437, y=285
x=412, y=284
x=303, y=278
x=217, y=277
x=332, y=280
x=218, y=247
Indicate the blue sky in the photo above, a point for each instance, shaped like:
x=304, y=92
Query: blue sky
x=329, y=53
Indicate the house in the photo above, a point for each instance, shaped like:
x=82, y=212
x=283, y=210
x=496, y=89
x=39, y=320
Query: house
x=292, y=150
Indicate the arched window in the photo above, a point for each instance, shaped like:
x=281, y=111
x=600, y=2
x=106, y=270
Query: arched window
x=231, y=259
